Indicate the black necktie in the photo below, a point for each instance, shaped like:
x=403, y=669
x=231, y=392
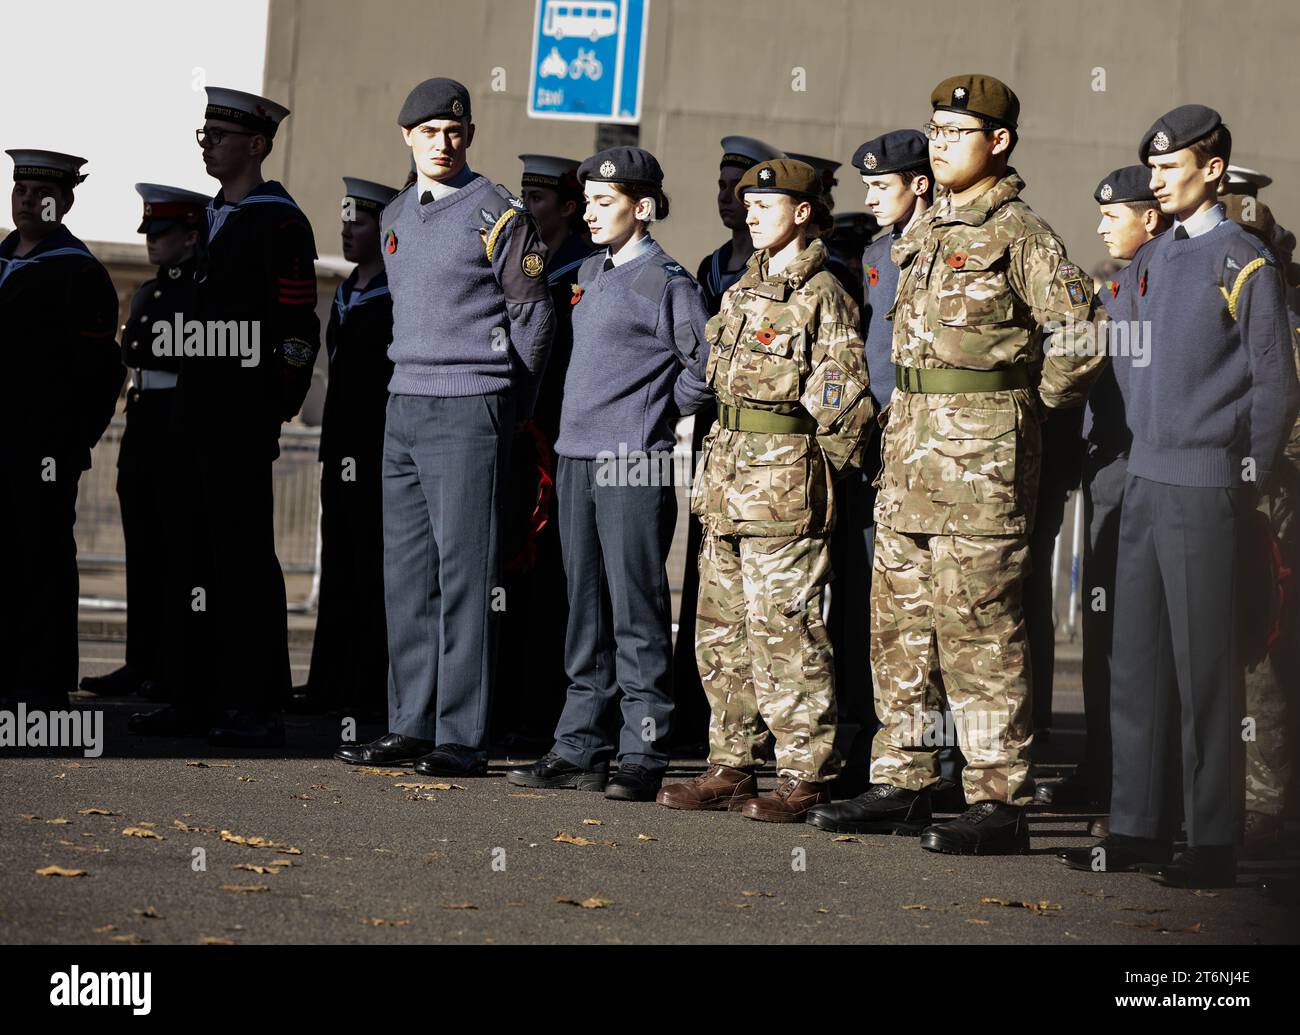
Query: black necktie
x=1180, y=233
x=609, y=265
x=426, y=198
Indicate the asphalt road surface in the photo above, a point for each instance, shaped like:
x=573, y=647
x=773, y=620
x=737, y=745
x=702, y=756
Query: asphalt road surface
x=356, y=857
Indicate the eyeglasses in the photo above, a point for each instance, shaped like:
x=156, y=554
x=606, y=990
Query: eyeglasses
x=215, y=136
x=950, y=133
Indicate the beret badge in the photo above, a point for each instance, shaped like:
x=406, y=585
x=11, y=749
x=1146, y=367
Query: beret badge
x=869, y=160
x=1107, y=192
x=457, y=108
x=959, y=95
x=607, y=168
x=1160, y=141
x=765, y=175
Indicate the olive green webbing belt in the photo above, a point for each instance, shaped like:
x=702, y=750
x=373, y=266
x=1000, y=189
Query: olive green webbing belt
x=764, y=422
x=943, y=381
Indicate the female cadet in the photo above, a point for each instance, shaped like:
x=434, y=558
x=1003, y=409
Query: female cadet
x=786, y=365
x=638, y=363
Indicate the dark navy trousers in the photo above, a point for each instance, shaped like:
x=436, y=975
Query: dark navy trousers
x=445, y=464
x=615, y=540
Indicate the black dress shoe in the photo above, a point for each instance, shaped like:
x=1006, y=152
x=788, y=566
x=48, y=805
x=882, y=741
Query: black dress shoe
x=881, y=809
x=390, y=749
x=552, y=771
x=1206, y=866
x=1117, y=853
x=634, y=782
x=986, y=828
x=452, y=760
x=1074, y=792
x=121, y=682
x=249, y=729
x=171, y=720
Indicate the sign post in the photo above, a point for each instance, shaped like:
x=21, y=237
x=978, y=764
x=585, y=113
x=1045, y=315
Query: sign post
x=588, y=61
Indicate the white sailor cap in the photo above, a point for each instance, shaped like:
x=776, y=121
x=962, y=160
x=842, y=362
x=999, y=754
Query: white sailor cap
x=51, y=166
x=1241, y=180
x=367, y=195
x=246, y=109
x=549, y=171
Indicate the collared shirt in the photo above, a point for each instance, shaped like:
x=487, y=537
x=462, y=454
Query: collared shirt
x=1202, y=222
x=630, y=251
x=442, y=188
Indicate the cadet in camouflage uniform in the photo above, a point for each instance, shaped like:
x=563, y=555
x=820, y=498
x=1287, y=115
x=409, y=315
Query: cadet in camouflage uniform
x=786, y=365
x=980, y=277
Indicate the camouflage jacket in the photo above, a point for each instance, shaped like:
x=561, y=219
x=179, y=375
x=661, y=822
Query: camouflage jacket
x=979, y=288
x=787, y=344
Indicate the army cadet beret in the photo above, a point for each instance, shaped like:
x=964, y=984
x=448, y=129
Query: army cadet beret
x=434, y=99
x=824, y=167
x=979, y=95
x=51, y=166
x=1180, y=128
x=1131, y=183
x=246, y=109
x=781, y=176
x=549, y=171
x=1241, y=180
x=746, y=152
x=367, y=195
x=165, y=207
x=622, y=165
x=898, y=151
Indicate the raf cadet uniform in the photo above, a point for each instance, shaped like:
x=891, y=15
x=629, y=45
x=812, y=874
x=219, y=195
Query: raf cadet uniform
x=1105, y=466
x=956, y=494
x=147, y=459
x=58, y=315
x=530, y=674
x=470, y=310
x=717, y=272
x=349, y=658
x=786, y=366
x=257, y=281
x=1209, y=415
x=639, y=358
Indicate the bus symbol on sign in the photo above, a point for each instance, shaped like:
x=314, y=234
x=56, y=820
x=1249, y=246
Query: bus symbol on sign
x=590, y=20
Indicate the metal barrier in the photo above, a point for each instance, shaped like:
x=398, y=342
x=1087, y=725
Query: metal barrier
x=296, y=477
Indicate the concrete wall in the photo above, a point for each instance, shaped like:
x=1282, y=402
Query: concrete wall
x=722, y=66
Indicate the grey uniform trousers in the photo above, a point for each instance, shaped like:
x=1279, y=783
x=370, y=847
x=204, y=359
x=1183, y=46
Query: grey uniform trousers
x=1176, y=675
x=445, y=464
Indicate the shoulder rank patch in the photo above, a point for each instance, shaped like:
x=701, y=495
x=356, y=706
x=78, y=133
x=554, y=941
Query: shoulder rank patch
x=532, y=264
x=518, y=203
x=672, y=269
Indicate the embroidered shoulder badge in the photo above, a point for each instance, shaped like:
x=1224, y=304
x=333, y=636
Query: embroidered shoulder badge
x=532, y=264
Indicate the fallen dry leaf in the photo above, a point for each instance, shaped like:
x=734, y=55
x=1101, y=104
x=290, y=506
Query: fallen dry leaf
x=646, y=837
x=28, y=815
x=246, y=779
x=460, y=905
x=849, y=837
x=569, y=839
x=58, y=822
x=81, y=765
x=141, y=832
x=149, y=913
x=429, y=786
x=258, y=842
x=106, y=928
x=1036, y=908
x=370, y=770
x=379, y=921
x=255, y=868
x=95, y=812
x=59, y=871
x=593, y=822
x=1205, y=894
x=302, y=797
x=527, y=794
x=207, y=939
x=245, y=888
x=823, y=909
x=586, y=903
x=972, y=920
x=129, y=939
x=61, y=776
x=759, y=894
x=211, y=765
x=916, y=905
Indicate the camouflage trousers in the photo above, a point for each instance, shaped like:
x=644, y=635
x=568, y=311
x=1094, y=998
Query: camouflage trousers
x=763, y=652
x=959, y=596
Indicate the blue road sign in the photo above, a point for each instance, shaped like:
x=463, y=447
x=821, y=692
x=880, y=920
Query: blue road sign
x=588, y=60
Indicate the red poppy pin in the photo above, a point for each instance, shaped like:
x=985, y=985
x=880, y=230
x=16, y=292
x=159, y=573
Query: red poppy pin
x=577, y=294
x=1142, y=285
x=957, y=260
x=390, y=241
x=873, y=276
x=766, y=335
x=1114, y=288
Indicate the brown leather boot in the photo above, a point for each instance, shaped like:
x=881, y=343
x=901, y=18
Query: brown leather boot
x=718, y=788
x=789, y=803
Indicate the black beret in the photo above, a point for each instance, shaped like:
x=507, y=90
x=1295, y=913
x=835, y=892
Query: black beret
x=622, y=165
x=434, y=99
x=1132, y=183
x=1180, y=128
x=782, y=176
x=893, y=152
x=979, y=95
